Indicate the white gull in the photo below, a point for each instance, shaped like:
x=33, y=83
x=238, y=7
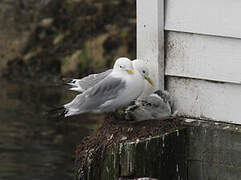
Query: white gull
x=118, y=89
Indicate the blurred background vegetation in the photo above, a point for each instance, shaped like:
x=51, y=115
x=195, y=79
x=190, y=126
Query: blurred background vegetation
x=42, y=41
x=46, y=39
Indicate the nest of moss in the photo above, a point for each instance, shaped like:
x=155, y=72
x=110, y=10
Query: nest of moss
x=114, y=131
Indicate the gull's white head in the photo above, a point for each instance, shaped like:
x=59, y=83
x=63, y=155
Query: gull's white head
x=124, y=64
x=142, y=69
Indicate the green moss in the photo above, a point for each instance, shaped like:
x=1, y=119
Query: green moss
x=58, y=38
x=81, y=62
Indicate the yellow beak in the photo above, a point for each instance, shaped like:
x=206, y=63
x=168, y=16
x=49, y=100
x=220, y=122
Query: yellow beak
x=149, y=80
x=130, y=71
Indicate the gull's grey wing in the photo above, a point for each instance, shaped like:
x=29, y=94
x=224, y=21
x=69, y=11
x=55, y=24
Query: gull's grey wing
x=87, y=82
x=93, y=98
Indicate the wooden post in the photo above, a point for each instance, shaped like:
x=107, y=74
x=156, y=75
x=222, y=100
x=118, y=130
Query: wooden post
x=150, y=37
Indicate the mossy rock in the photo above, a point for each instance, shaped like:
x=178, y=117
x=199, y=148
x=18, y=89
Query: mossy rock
x=54, y=31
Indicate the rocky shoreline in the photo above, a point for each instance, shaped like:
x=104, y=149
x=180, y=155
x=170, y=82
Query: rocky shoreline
x=44, y=40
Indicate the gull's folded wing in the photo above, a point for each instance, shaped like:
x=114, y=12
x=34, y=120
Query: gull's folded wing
x=81, y=85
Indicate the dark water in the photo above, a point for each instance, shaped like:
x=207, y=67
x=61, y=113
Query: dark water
x=33, y=146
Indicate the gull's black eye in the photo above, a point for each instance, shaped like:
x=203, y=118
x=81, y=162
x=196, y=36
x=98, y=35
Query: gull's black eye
x=144, y=71
x=121, y=66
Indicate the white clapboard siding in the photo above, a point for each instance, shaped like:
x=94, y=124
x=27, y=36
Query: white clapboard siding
x=215, y=17
x=206, y=100
x=203, y=57
x=150, y=38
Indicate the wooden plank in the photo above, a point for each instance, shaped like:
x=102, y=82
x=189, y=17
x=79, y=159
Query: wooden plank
x=150, y=37
x=216, y=17
x=203, y=57
x=206, y=100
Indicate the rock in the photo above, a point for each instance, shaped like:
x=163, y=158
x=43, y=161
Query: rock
x=44, y=34
x=47, y=22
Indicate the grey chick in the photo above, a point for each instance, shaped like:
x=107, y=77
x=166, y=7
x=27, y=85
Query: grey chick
x=155, y=106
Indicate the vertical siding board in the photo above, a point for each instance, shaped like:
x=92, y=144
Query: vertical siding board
x=150, y=37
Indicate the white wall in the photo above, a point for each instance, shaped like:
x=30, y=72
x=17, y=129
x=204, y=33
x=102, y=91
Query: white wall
x=205, y=99
x=213, y=17
x=150, y=37
x=203, y=56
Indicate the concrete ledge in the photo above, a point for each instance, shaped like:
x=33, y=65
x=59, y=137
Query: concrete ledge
x=187, y=149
